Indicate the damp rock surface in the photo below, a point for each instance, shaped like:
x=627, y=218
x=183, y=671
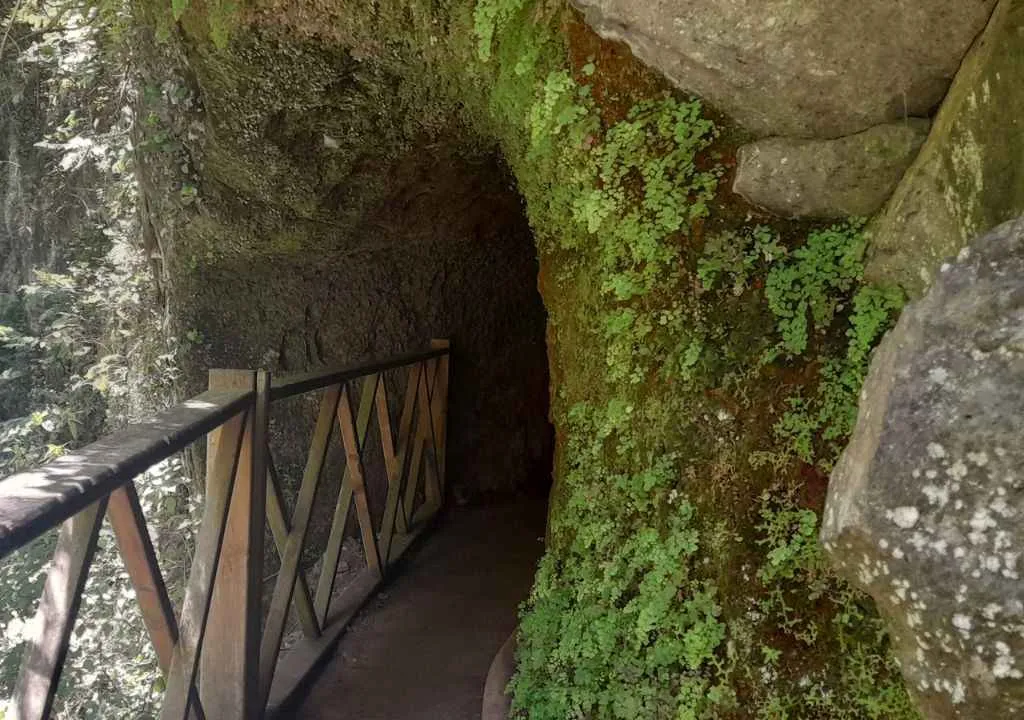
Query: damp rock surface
x=924, y=508
x=967, y=178
x=813, y=68
x=852, y=175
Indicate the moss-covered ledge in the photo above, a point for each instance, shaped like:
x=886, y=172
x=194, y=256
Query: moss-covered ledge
x=705, y=357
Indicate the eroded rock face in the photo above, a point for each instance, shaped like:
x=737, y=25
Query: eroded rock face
x=968, y=177
x=924, y=508
x=809, y=68
x=853, y=175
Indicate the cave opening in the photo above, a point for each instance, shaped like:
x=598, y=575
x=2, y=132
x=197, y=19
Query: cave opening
x=443, y=251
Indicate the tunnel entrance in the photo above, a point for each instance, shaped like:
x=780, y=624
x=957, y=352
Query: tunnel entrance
x=443, y=251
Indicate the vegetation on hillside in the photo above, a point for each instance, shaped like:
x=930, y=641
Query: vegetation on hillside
x=82, y=348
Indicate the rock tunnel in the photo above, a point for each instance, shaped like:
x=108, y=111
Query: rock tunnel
x=388, y=240
x=334, y=182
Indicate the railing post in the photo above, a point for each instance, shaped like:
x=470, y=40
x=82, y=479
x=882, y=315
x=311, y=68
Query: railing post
x=439, y=410
x=229, y=672
x=44, y=657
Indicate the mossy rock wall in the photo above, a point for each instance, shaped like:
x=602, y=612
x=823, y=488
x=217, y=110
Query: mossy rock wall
x=969, y=177
x=704, y=357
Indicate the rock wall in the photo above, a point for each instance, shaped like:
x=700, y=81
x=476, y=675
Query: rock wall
x=705, y=351
x=303, y=220
x=814, y=68
x=968, y=177
x=924, y=506
x=447, y=253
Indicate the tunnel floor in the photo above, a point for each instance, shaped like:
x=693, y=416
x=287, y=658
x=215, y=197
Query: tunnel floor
x=422, y=647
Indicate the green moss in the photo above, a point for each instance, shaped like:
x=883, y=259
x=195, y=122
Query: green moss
x=691, y=373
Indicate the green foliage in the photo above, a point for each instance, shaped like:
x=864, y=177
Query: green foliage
x=81, y=351
x=860, y=681
x=831, y=412
x=630, y=616
x=618, y=624
x=733, y=255
x=791, y=536
x=814, y=282
x=489, y=16
x=646, y=188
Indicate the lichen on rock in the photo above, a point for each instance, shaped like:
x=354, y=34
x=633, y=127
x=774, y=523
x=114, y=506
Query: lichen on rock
x=851, y=176
x=924, y=507
x=967, y=178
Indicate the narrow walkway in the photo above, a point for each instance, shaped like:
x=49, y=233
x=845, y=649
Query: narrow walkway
x=421, y=649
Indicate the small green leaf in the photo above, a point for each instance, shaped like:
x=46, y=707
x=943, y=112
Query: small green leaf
x=178, y=8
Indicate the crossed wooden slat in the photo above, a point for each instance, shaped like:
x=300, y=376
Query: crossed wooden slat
x=229, y=545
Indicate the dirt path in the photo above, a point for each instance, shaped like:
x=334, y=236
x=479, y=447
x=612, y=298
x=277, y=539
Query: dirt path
x=421, y=649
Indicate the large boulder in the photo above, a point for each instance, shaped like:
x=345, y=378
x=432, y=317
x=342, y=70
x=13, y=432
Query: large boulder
x=811, y=67
x=925, y=506
x=969, y=176
x=853, y=175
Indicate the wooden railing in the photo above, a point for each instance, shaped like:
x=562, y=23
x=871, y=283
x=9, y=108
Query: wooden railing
x=220, y=654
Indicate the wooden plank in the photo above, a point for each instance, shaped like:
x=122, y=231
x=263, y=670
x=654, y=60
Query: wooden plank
x=431, y=484
x=38, y=500
x=280, y=528
x=222, y=463
x=290, y=385
x=284, y=586
x=354, y=469
x=439, y=410
x=43, y=661
x=394, y=459
x=139, y=556
x=332, y=551
x=229, y=661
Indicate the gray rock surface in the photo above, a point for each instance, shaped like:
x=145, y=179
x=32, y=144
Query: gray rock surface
x=497, y=703
x=853, y=175
x=967, y=178
x=809, y=67
x=924, y=508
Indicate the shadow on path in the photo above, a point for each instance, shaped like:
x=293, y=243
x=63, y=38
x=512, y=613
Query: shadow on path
x=420, y=650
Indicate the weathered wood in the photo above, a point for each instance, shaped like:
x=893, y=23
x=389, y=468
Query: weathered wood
x=439, y=411
x=354, y=469
x=431, y=482
x=139, y=556
x=394, y=459
x=229, y=663
x=35, y=501
x=424, y=436
x=290, y=385
x=284, y=585
x=222, y=463
x=280, y=528
x=332, y=552
x=43, y=662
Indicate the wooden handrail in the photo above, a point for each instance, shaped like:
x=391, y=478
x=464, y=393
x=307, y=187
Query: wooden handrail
x=38, y=500
x=218, y=658
x=285, y=386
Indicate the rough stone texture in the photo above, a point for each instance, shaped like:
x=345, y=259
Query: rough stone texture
x=333, y=227
x=969, y=176
x=812, y=68
x=447, y=254
x=497, y=703
x=924, y=508
x=853, y=175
